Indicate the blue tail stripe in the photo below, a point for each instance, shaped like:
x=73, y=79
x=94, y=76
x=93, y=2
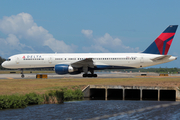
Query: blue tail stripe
x=152, y=49
x=171, y=29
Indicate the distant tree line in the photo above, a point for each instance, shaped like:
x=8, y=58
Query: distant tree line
x=157, y=70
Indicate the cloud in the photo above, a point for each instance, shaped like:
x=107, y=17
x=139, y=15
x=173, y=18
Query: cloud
x=21, y=30
x=107, y=43
x=95, y=48
x=12, y=43
x=57, y=45
x=87, y=33
x=16, y=24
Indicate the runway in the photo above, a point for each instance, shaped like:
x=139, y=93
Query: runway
x=56, y=76
x=100, y=75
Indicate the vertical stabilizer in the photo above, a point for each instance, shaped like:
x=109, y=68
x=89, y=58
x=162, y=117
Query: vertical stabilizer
x=162, y=43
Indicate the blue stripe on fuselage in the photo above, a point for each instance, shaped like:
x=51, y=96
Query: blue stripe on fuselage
x=101, y=67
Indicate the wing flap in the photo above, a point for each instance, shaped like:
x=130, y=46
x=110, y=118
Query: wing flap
x=85, y=62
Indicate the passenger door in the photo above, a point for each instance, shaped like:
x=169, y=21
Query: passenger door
x=141, y=61
x=50, y=60
x=17, y=60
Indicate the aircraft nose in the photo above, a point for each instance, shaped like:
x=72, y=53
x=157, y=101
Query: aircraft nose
x=3, y=64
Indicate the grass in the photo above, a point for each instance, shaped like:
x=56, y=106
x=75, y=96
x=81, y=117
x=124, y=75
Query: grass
x=16, y=93
x=41, y=86
x=50, y=97
x=20, y=101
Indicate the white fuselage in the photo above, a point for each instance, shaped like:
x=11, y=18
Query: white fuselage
x=127, y=60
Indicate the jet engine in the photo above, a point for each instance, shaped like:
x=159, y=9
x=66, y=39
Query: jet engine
x=65, y=69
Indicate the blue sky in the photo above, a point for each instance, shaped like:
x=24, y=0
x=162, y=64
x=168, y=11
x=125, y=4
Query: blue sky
x=44, y=26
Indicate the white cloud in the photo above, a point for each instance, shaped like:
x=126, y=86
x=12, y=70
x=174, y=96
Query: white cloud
x=107, y=43
x=12, y=44
x=95, y=48
x=21, y=29
x=57, y=45
x=13, y=41
x=87, y=33
x=16, y=24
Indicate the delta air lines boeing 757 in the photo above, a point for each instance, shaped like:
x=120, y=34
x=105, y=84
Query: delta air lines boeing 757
x=76, y=63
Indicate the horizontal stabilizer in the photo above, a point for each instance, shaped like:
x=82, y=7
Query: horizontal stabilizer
x=161, y=58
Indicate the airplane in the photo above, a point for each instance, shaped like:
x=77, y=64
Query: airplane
x=76, y=63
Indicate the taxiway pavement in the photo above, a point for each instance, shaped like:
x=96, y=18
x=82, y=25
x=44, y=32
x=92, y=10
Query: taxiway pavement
x=56, y=76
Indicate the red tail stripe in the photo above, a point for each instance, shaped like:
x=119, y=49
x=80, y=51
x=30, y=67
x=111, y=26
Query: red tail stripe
x=165, y=36
x=168, y=44
x=159, y=44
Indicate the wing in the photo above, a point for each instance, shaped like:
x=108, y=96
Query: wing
x=161, y=58
x=88, y=62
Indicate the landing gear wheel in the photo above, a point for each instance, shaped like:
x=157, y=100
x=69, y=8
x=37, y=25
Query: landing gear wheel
x=95, y=75
x=85, y=75
x=22, y=75
x=90, y=75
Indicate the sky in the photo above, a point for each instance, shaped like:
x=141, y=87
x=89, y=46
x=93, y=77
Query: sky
x=86, y=26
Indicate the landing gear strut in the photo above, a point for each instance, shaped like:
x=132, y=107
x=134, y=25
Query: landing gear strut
x=22, y=74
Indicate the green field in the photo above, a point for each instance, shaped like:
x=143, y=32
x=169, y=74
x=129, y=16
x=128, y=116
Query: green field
x=40, y=86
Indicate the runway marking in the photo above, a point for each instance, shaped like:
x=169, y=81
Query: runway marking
x=9, y=78
x=134, y=111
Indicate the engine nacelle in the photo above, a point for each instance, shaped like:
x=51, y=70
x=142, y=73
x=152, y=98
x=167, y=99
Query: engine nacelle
x=65, y=69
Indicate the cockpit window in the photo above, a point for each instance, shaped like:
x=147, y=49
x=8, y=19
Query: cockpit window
x=8, y=59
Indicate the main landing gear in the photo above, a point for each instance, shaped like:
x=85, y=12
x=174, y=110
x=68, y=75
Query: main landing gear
x=89, y=75
x=22, y=74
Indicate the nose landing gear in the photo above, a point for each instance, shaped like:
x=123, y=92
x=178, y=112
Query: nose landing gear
x=22, y=74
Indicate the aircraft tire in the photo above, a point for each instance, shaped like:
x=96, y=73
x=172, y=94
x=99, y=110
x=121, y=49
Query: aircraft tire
x=90, y=75
x=85, y=75
x=95, y=75
x=22, y=76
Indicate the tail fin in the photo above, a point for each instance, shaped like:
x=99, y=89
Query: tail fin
x=162, y=43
